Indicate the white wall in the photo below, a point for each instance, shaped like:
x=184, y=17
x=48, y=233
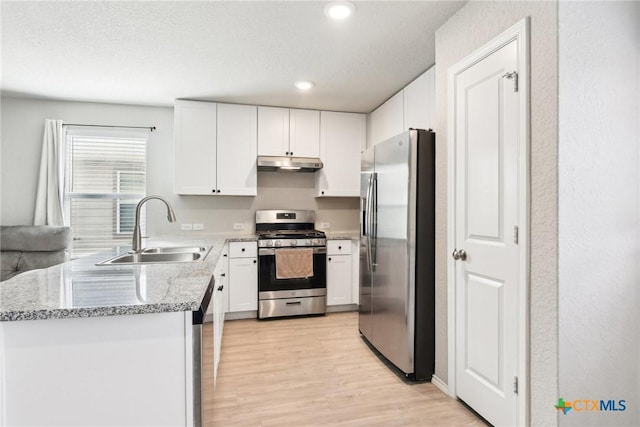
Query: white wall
x=22, y=128
x=599, y=204
x=471, y=27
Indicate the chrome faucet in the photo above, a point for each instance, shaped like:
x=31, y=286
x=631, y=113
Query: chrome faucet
x=136, y=245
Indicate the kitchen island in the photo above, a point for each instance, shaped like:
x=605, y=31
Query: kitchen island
x=105, y=345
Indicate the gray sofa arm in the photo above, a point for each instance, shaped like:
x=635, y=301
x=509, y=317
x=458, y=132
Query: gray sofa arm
x=30, y=247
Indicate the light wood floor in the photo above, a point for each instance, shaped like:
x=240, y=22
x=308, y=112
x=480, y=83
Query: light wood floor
x=317, y=371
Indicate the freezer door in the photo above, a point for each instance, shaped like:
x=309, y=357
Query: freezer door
x=392, y=295
x=366, y=277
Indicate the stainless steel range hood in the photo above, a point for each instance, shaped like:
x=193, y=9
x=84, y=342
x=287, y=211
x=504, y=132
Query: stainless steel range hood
x=288, y=164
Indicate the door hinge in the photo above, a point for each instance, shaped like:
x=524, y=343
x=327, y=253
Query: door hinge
x=515, y=385
x=515, y=234
x=512, y=75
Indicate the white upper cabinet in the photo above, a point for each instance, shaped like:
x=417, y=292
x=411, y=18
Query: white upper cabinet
x=288, y=132
x=304, y=133
x=237, y=150
x=419, y=97
x=195, y=147
x=273, y=131
x=412, y=107
x=342, y=139
x=387, y=120
x=215, y=149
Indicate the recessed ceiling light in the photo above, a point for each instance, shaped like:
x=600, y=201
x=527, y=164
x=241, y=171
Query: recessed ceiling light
x=303, y=85
x=340, y=9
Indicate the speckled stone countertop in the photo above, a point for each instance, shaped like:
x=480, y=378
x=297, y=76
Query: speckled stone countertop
x=80, y=288
x=342, y=235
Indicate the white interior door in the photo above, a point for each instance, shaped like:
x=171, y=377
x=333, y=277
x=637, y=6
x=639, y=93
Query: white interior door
x=486, y=126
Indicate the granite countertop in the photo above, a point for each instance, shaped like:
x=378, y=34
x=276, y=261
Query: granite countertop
x=342, y=235
x=80, y=288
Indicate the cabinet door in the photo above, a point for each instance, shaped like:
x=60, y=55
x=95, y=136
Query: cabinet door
x=237, y=150
x=223, y=268
x=338, y=247
x=243, y=249
x=219, y=296
x=419, y=101
x=304, y=133
x=342, y=139
x=243, y=284
x=273, y=131
x=387, y=120
x=195, y=147
x=339, y=279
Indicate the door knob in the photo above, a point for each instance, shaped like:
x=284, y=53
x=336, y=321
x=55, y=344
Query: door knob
x=459, y=254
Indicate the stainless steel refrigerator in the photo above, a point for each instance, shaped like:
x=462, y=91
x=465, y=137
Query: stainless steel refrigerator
x=397, y=251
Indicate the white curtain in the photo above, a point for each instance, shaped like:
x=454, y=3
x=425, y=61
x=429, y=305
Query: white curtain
x=50, y=195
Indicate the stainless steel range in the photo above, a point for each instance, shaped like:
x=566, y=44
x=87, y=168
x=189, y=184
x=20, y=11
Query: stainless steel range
x=292, y=257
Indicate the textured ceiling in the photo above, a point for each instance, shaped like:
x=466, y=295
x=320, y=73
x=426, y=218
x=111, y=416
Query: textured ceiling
x=151, y=53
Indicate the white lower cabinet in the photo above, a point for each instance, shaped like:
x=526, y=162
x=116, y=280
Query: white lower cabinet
x=108, y=370
x=243, y=276
x=220, y=305
x=339, y=273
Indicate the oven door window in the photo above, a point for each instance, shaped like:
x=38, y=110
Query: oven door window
x=267, y=275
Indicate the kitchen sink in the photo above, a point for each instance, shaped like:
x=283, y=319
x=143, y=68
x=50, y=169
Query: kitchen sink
x=175, y=249
x=160, y=255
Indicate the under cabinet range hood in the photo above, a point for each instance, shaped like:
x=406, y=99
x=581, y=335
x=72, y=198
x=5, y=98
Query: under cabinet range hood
x=288, y=164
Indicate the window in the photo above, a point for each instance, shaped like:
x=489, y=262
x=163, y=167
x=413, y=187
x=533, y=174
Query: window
x=106, y=178
x=126, y=209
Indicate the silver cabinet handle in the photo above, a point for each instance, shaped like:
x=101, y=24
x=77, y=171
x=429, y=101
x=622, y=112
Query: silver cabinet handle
x=459, y=255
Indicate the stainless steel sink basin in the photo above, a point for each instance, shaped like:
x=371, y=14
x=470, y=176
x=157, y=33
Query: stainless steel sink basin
x=160, y=255
x=175, y=250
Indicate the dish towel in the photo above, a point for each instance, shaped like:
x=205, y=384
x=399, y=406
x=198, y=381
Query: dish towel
x=294, y=263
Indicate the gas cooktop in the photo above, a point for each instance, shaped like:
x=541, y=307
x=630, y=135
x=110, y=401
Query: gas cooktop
x=287, y=229
x=291, y=234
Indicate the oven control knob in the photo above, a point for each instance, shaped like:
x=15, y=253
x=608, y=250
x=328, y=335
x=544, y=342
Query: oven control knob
x=278, y=243
x=307, y=242
x=294, y=242
x=269, y=243
x=315, y=242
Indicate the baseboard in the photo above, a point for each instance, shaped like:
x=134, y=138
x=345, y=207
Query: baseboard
x=440, y=384
x=343, y=307
x=238, y=315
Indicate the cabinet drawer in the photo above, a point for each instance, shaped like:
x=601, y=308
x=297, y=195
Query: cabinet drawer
x=243, y=249
x=338, y=247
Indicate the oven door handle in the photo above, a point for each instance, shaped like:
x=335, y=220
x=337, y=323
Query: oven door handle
x=270, y=251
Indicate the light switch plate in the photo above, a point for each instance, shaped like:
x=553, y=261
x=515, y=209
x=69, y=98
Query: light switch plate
x=324, y=225
x=238, y=226
x=198, y=227
x=186, y=227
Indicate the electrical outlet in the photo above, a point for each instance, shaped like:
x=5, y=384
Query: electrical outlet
x=186, y=227
x=238, y=226
x=324, y=225
x=198, y=227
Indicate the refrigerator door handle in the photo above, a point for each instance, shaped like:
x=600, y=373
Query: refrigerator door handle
x=368, y=207
x=374, y=221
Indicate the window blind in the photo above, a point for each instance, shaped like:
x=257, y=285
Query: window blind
x=106, y=176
